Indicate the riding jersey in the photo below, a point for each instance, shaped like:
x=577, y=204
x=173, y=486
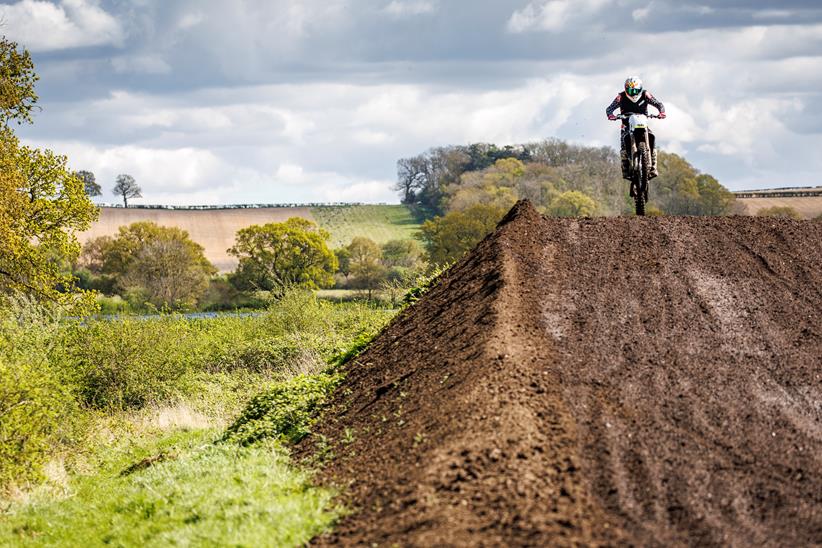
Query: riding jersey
x=626, y=106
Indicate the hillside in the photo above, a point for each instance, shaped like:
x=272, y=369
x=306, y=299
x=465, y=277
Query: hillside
x=620, y=381
x=809, y=207
x=215, y=229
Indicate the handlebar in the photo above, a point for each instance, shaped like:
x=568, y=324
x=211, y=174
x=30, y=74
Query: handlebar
x=626, y=116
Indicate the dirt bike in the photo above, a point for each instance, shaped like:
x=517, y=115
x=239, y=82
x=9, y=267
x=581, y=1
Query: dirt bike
x=639, y=157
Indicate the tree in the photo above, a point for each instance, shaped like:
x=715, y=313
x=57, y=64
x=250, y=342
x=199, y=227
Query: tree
x=276, y=256
x=162, y=264
x=169, y=271
x=572, y=204
x=784, y=212
x=343, y=261
x=402, y=253
x=447, y=238
x=90, y=183
x=714, y=198
x=17, y=78
x=127, y=187
x=42, y=208
x=42, y=205
x=366, y=268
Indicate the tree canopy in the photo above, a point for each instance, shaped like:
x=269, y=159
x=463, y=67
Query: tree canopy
x=42, y=203
x=90, y=183
x=275, y=256
x=157, y=264
x=127, y=187
x=447, y=238
x=450, y=179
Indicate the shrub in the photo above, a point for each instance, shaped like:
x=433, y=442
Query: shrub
x=132, y=362
x=284, y=412
x=784, y=212
x=36, y=404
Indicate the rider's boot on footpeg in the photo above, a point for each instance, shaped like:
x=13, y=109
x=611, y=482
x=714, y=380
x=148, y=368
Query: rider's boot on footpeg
x=654, y=172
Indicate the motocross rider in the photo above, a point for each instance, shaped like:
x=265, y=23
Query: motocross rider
x=634, y=100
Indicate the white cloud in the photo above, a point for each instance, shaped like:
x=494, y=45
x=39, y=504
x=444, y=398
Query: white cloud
x=398, y=8
x=190, y=20
x=553, y=15
x=43, y=26
x=140, y=64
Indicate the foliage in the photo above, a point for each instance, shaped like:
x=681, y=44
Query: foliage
x=784, y=212
x=452, y=179
x=155, y=264
x=275, y=256
x=42, y=204
x=343, y=261
x=572, y=204
x=402, y=253
x=35, y=401
x=284, y=412
x=127, y=187
x=449, y=237
x=17, y=78
x=90, y=184
x=42, y=207
x=68, y=369
x=131, y=363
x=422, y=179
x=176, y=502
x=424, y=283
x=367, y=269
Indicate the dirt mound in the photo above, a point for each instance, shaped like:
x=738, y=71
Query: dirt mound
x=651, y=381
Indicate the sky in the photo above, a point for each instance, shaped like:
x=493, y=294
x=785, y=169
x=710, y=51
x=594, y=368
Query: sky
x=275, y=101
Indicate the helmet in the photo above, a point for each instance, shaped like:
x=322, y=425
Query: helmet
x=633, y=88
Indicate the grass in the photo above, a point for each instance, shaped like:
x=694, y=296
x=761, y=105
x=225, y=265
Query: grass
x=381, y=223
x=202, y=493
x=158, y=394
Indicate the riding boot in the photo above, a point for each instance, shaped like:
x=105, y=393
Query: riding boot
x=626, y=167
x=654, y=172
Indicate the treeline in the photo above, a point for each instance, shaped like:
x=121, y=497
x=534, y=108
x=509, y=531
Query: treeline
x=150, y=266
x=462, y=191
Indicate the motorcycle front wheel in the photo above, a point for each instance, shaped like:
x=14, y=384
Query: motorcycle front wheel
x=641, y=179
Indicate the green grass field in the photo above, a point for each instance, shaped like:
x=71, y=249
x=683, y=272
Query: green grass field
x=381, y=223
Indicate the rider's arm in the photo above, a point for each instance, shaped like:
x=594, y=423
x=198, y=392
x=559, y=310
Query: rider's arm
x=612, y=107
x=654, y=102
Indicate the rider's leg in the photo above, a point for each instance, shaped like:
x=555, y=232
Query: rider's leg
x=623, y=154
x=654, y=172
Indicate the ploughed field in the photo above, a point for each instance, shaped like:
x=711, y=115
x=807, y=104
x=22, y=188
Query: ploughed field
x=650, y=381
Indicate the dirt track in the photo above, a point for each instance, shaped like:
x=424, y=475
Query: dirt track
x=651, y=381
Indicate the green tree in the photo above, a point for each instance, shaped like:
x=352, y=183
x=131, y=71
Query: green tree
x=161, y=265
x=402, y=253
x=714, y=198
x=343, y=261
x=367, y=269
x=278, y=255
x=17, y=79
x=42, y=208
x=449, y=237
x=784, y=212
x=572, y=204
x=90, y=183
x=42, y=204
x=127, y=187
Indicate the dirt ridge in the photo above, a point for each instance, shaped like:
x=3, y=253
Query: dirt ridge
x=595, y=382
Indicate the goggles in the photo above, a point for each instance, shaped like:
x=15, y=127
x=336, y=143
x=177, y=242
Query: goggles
x=633, y=91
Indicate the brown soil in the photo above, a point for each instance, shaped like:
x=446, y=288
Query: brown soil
x=630, y=381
